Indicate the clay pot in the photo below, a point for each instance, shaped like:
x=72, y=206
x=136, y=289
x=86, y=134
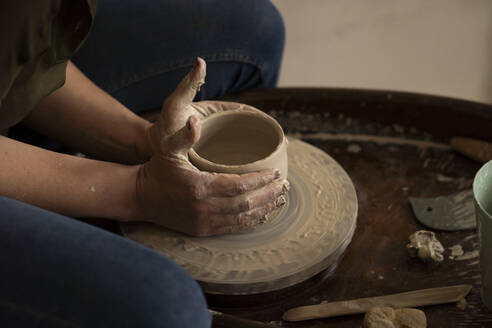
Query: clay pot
x=240, y=141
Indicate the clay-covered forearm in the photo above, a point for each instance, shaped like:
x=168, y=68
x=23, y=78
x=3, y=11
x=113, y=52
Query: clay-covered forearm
x=69, y=185
x=87, y=119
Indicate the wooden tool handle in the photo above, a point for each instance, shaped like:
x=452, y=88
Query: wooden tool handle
x=422, y=297
x=478, y=150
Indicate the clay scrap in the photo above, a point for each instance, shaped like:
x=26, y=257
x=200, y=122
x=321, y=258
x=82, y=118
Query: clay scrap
x=424, y=245
x=456, y=251
x=386, y=317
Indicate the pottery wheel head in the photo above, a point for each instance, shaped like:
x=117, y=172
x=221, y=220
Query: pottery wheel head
x=307, y=235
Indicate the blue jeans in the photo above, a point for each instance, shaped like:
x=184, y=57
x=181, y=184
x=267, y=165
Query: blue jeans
x=58, y=272
x=138, y=51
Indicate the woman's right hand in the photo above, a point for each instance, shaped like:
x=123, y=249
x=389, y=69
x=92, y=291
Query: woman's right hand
x=173, y=193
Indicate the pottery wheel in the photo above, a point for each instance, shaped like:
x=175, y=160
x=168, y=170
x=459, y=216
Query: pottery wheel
x=304, y=237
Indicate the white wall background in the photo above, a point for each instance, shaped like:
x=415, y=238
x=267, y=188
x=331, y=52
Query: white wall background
x=441, y=47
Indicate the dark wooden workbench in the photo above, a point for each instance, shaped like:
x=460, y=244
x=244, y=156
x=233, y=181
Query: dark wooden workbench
x=343, y=123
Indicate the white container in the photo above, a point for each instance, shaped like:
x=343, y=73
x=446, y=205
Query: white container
x=482, y=191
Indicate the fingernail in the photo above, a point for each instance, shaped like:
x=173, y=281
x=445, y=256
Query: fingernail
x=189, y=123
x=286, y=186
x=280, y=201
x=276, y=173
x=192, y=71
x=195, y=64
x=263, y=220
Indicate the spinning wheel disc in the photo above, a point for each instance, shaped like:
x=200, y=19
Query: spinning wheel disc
x=302, y=238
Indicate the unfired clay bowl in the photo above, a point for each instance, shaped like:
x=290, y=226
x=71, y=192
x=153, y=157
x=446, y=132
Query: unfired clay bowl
x=240, y=141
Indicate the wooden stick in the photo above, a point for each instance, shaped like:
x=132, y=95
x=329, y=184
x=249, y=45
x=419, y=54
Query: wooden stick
x=421, y=297
x=478, y=150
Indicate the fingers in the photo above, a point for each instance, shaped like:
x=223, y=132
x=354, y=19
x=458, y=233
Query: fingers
x=206, y=108
x=184, y=139
x=194, y=130
x=234, y=223
x=232, y=202
x=177, y=127
x=248, y=201
x=188, y=87
x=231, y=214
x=229, y=185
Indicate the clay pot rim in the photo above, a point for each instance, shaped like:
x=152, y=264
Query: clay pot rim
x=248, y=112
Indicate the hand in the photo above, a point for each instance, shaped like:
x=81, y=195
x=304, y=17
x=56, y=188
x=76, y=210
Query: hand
x=180, y=106
x=171, y=192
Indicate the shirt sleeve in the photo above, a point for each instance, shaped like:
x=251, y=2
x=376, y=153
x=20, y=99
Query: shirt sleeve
x=37, y=38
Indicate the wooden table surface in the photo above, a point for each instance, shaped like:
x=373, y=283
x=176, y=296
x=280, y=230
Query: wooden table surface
x=394, y=146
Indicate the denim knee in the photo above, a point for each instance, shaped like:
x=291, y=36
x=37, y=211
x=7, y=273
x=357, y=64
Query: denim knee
x=264, y=35
x=60, y=270
x=138, y=51
x=171, y=299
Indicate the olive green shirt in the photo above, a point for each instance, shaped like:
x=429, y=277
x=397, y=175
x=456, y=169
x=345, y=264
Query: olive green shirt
x=37, y=38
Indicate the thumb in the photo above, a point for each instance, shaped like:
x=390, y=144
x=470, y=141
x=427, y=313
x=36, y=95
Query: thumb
x=183, y=140
x=190, y=85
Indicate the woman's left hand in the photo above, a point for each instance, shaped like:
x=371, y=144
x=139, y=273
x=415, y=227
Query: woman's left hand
x=179, y=107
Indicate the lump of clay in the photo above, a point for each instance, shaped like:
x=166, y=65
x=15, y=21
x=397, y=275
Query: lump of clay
x=380, y=317
x=386, y=317
x=423, y=244
x=456, y=251
x=410, y=318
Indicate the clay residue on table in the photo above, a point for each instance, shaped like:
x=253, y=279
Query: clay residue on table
x=456, y=250
x=468, y=255
x=382, y=140
x=424, y=245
